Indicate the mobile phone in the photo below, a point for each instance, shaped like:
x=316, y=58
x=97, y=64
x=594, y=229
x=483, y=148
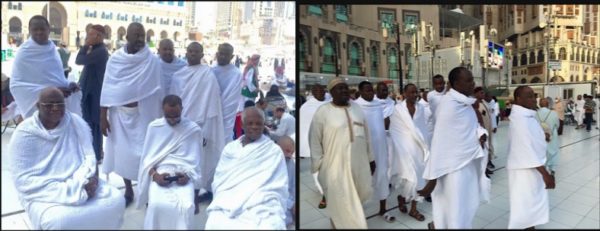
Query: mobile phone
x=172, y=178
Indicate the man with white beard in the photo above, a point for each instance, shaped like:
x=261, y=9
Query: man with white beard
x=373, y=112
x=199, y=90
x=229, y=78
x=307, y=111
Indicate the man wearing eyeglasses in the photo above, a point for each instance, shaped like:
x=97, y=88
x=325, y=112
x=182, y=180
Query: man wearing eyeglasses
x=54, y=170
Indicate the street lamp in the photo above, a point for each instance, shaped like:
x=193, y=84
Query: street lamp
x=549, y=20
x=395, y=27
x=508, y=65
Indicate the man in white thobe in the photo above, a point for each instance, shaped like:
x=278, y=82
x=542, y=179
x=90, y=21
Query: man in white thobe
x=373, y=112
x=199, y=90
x=434, y=97
x=408, y=128
x=171, y=149
x=548, y=117
x=457, y=161
x=251, y=181
x=37, y=66
x=129, y=101
x=53, y=166
x=286, y=125
x=424, y=103
x=579, y=112
x=388, y=104
x=340, y=152
x=528, y=179
x=307, y=111
x=229, y=78
x=168, y=63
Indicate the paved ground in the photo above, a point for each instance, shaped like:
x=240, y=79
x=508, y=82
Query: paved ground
x=574, y=203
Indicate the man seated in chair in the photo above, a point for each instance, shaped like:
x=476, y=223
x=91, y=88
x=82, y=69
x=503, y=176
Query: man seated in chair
x=53, y=167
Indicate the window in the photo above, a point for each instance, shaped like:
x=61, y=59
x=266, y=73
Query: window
x=387, y=17
x=540, y=56
x=354, y=68
x=523, y=59
x=329, y=56
x=171, y=3
x=87, y=13
x=315, y=9
x=180, y=3
x=562, y=54
x=393, y=63
x=531, y=58
x=374, y=60
x=341, y=13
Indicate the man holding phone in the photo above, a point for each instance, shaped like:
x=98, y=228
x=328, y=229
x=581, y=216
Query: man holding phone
x=171, y=153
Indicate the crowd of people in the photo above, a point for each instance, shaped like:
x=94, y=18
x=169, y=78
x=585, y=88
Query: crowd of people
x=169, y=124
x=429, y=146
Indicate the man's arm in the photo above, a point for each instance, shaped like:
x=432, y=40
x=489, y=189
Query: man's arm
x=548, y=179
x=95, y=56
x=104, y=125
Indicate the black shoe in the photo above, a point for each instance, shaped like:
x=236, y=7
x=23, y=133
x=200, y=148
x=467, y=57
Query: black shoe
x=208, y=196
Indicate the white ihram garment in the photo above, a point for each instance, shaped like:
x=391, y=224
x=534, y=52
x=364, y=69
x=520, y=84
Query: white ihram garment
x=229, y=78
x=168, y=69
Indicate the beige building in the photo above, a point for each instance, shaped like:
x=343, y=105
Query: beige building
x=70, y=20
x=568, y=33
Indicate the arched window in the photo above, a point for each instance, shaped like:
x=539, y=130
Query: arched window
x=523, y=80
x=20, y=6
x=328, y=65
x=515, y=61
x=581, y=57
x=577, y=78
x=536, y=80
x=540, y=56
x=531, y=57
x=374, y=61
x=523, y=59
x=393, y=63
x=354, y=68
x=87, y=13
x=571, y=79
x=562, y=54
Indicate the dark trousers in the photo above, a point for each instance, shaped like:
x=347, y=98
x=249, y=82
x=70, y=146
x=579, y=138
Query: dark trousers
x=560, y=127
x=88, y=110
x=588, y=121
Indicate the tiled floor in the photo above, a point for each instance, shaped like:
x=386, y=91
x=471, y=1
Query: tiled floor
x=13, y=216
x=574, y=203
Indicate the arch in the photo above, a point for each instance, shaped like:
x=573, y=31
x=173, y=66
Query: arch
x=562, y=53
x=531, y=57
x=393, y=63
x=557, y=79
x=523, y=59
x=163, y=35
x=121, y=33
x=108, y=31
x=374, y=61
x=176, y=36
x=149, y=35
x=329, y=56
x=540, y=56
x=58, y=19
x=577, y=78
x=536, y=80
x=523, y=80
x=355, y=60
x=15, y=25
x=571, y=79
x=515, y=61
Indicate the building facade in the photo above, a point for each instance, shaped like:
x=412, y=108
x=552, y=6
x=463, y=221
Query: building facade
x=161, y=19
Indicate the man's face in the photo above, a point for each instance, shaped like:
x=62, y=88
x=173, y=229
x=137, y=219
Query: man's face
x=39, y=31
x=194, y=54
x=166, y=51
x=479, y=95
x=52, y=107
x=367, y=92
x=527, y=98
x=438, y=85
x=135, y=38
x=278, y=114
x=172, y=114
x=424, y=96
x=253, y=125
x=579, y=97
x=382, y=91
x=410, y=95
x=464, y=84
x=340, y=93
x=318, y=92
x=224, y=55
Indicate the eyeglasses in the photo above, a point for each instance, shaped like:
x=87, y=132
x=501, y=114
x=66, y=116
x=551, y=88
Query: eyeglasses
x=52, y=105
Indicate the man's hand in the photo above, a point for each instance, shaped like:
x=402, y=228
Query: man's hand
x=183, y=179
x=372, y=165
x=104, y=125
x=66, y=91
x=547, y=137
x=160, y=179
x=549, y=181
x=74, y=87
x=91, y=186
x=482, y=139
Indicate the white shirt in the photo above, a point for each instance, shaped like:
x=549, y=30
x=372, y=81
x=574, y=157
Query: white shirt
x=287, y=126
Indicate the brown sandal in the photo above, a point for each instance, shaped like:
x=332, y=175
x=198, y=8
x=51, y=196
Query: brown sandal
x=403, y=208
x=418, y=216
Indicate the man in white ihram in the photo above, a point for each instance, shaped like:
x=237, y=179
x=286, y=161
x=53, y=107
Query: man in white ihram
x=168, y=63
x=251, y=181
x=53, y=166
x=229, y=78
x=171, y=149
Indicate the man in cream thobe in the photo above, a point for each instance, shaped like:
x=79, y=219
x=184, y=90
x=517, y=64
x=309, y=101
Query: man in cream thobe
x=199, y=90
x=171, y=148
x=527, y=176
x=251, y=181
x=457, y=161
x=551, y=119
x=373, y=112
x=37, y=66
x=408, y=127
x=53, y=166
x=579, y=112
x=229, y=78
x=129, y=101
x=340, y=152
x=169, y=64
x=307, y=111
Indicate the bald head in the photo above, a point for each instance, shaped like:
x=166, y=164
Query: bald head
x=50, y=92
x=166, y=51
x=253, y=123
x=194, y=53
x=544, y=102
x=287, y=146
x=136, y=36
x=224, y=54
x=51, y=107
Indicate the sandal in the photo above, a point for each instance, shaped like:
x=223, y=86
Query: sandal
x=403, y=208
x=323, y=204
x=388, y=217
x=418, y=216
x=430, y=225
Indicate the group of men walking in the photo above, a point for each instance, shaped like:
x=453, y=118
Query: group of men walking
x=168, y=125
x=439, y=147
